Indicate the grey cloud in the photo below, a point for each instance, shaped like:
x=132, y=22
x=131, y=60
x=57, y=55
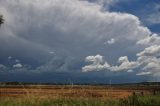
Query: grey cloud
x=17, y=61
x=105, y=3
x=10, y=57
x=2, y=66
x=71, y=28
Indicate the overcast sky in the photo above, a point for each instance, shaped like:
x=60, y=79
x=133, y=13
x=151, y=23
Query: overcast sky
x=80, y=40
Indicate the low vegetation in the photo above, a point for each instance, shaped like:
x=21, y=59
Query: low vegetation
x=140, y=100
x=130, y=101
x=57, y=102
x=79, y=96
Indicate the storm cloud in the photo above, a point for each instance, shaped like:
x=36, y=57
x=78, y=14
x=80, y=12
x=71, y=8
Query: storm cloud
x=58, y=35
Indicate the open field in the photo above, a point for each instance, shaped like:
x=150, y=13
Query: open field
x=73, y=94
x=75, y=91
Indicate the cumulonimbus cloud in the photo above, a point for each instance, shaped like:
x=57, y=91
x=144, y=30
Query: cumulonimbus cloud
x=73, y=29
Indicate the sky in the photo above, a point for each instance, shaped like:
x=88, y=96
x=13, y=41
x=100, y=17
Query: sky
x=80, y=41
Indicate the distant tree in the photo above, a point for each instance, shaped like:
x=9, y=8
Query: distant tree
x=1, y=20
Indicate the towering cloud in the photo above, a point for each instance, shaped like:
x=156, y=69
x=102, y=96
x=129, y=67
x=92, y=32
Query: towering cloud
x=75, y=30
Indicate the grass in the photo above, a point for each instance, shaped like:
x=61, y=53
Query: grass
x=140, y=100
x=57, y=102
x=75, y=97
x=136, y=100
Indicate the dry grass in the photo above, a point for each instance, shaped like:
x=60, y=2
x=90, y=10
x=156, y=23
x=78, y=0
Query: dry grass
x=71, y=95
x=70, y=91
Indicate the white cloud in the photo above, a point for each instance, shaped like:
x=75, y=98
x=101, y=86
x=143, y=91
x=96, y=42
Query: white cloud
x=18, y=65
x=111, y=41
x=123, y=59
x=125, y=64
x=149, y=63
x=148, y=59
x=144, y=73
x=146, y=64
x=154, y=39
x=98, y=59
x=152, y=66
x=98, y=63
x=150, y=51
x=84, y=18
x=130, y=71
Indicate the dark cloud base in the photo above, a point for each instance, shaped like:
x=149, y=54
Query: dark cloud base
x=81, y=78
